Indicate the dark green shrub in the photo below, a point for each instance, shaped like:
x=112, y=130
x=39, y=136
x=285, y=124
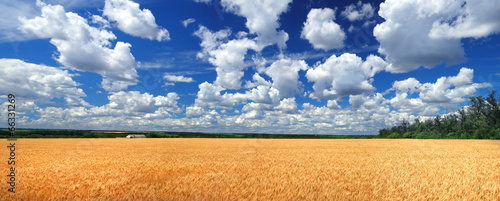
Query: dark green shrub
x=408, y=135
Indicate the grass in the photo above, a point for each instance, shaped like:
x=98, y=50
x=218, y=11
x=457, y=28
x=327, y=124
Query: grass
x=254, y=169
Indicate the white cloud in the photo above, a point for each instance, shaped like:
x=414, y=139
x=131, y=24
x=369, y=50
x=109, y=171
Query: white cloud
x=428, y=33
x=103, y=23
x=347, y=74
x=359, y=11
x=11, y=11
x=134, y=103
x=76, y=42
x=474, y=18
x=210, y=95
x=177, y=78
x=263, y=94
x=203, y=1
x=194, y=111
x=409, y=85
x=465, y=76
x=188, y=21
x=262, y=18
x=321, y=31
x=126, y=110
x=332, y=104
x=288, y=105
x=257, y=81
x=266, y=112
x=134, y=21
x=285, y=76
x=227, y=57
x=39, y=83
x=210, y=40
x=446, y=92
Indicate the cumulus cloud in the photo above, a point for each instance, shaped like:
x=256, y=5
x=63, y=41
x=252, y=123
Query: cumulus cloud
x=262, y=18
x=473, y=19
x=347, y=74
x=139, y=104
x=11, y=11
x=39, y=82
x=263, y=95
x=210, y=40
x=228, y=57
x=100, y=21
x=194, y=111
x=77, y=41
x=285, y=76
x=266, y=112
x=422, y=33
x=130, y=110
x=359, y=11
x=321, y=31
x=188, y=21
x=210, y=95
x=404, y=36
x=177, y=78
x=446, y=92
x=257, y=80
x=134, y=21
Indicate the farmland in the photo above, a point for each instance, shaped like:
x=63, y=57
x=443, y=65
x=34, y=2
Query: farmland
x=253, y=169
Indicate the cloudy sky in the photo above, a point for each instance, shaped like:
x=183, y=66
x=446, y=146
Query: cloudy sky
x=266, y=66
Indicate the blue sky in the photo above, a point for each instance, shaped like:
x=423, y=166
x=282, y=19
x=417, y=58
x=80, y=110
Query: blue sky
x=270, y=66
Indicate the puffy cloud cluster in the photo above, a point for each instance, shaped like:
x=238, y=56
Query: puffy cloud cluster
x=285, y=76
x=472, y=19
x=39, y=83
x=345, y=75
x=264, y=111
x=129, y=110
x=321, y=31
x=11, y=11
x=359, y=11
x=428, y=33
x=366, y=112
x=404, y=38
x=228, y=57
x=134, y=103
x=446, y=92
x=210, y=95
x=77, y=41
x=262, y=18
x=263, y=94
x=134, y=21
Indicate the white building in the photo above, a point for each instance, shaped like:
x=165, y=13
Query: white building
x=136, y=136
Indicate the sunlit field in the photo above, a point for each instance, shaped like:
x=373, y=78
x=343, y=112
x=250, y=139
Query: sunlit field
x=253, y=169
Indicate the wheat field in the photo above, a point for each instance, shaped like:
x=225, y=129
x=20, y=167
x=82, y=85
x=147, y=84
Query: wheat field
x=253, y=169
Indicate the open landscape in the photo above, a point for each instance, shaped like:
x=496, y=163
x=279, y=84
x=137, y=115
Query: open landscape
x=250, y=100
x=254, y=169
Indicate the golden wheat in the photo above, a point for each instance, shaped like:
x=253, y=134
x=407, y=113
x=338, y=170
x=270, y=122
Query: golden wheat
x=253, y=169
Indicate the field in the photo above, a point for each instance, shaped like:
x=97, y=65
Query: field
x=253, y=169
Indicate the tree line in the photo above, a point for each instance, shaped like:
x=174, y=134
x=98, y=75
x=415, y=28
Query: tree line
x=478, y=120
x=67, y=133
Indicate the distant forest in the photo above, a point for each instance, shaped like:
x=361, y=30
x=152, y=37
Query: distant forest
x=479, y=120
